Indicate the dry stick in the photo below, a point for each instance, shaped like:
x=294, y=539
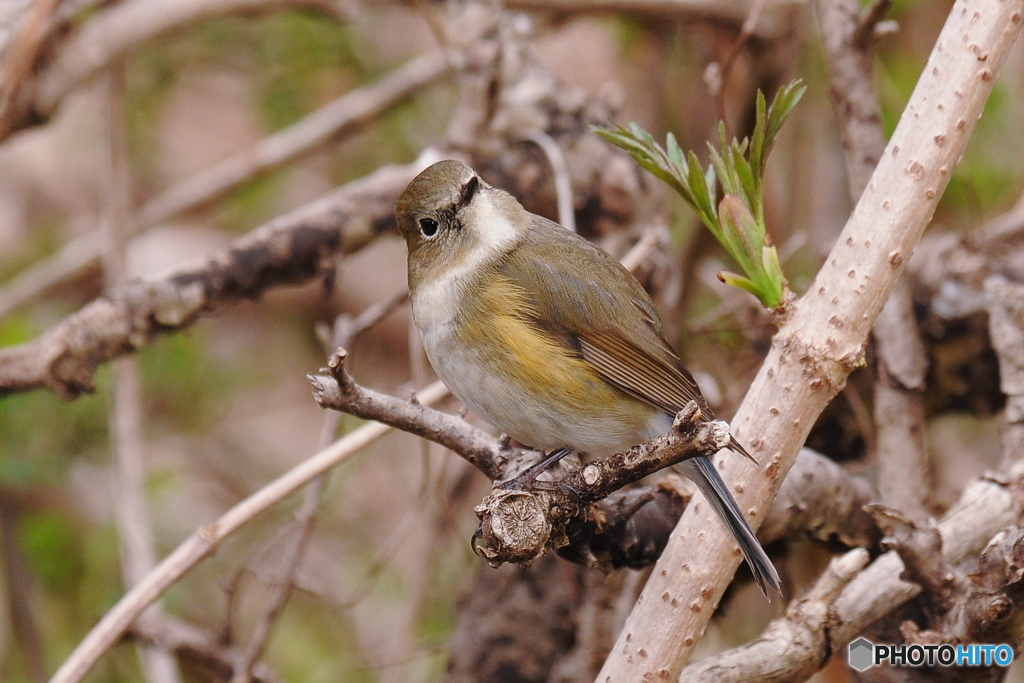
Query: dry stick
x=192, y=645
x=17, y=594
x=23, y=51
x=559, y=171
x=345, y=330
x=904, y=472
x=904, y=468
x=822, y=340
x=717, y=73
x=787, y=639
x=292, y=248
x=338, y=118
x=1003, y=300
x=131, y=513
x=774, y=24
x=793, y=647
x=112, y=34
x=205, y=541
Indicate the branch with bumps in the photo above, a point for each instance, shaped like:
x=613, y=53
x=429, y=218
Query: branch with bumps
x=519, y=525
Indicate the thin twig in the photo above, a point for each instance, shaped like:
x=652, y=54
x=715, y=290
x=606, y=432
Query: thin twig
x=192, y=645
x=335, y=120
x=23, y=51
x=112, y=34
x=131, y=512
x=206, y=539
x=560, y=172
x=717, y=73
x=345, y=331
x=17, y=584
x=865, y=32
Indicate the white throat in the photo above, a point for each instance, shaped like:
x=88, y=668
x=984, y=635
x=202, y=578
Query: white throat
x=435, y=302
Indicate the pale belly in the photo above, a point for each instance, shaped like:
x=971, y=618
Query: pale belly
x=587, y=415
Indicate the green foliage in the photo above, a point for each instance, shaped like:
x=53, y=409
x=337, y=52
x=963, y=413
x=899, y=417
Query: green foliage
x=737, y=220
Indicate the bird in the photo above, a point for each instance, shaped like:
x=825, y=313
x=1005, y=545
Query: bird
x=546, y=336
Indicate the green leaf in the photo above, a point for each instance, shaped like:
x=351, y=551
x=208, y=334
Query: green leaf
x=757, y=144
x=675, y=155
x=734, y=280
x=785, y=100
x=737, y=221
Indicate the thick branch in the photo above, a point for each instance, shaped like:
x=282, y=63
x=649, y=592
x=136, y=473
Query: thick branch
x=205, y=541
x=823, y=622
x=112, y=34
x=823, y=339
x=291, y=249
x=334, y=120
x=899, y=401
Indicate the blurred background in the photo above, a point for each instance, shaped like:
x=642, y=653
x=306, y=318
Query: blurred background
x=226, y=406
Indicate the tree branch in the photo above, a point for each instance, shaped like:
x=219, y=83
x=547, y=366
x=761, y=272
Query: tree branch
x=112, y=34
x=904, y=472
x=338, y=118
x=205, y=541
x=823, y=622
x=291, y=249
x=822, y=339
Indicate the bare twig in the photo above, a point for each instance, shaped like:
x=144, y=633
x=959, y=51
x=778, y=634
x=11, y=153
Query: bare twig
x=206, y=540
x=334, y=388
x=717, y=73
x=904, y=471
x=820, y=625
x=851, y=81
x=112, y=34
x=131, y=512
x=866, y=31
x=774, y=23
x=519, y=525
x=23, y=51
x=17, y=587
x=1006, y=328
x=821, y=341
x=345, y=331
x=563, y=186
x=192, y=645
x=291, y=249
x=342, y=116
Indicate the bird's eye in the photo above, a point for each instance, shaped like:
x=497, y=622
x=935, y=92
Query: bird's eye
x=428, y=226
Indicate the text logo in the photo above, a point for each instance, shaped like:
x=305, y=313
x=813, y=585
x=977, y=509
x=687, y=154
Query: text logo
x=863, y=654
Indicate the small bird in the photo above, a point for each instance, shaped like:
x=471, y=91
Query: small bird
x=546, y=336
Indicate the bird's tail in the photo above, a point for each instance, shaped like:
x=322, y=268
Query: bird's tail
x=702, y=471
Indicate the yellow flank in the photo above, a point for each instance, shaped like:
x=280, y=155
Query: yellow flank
x=528, y=355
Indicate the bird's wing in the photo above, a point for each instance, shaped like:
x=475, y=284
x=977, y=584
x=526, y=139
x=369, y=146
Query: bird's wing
x=584, y=297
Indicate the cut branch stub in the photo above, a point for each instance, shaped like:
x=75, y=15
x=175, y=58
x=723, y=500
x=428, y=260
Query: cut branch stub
x=518, y=526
